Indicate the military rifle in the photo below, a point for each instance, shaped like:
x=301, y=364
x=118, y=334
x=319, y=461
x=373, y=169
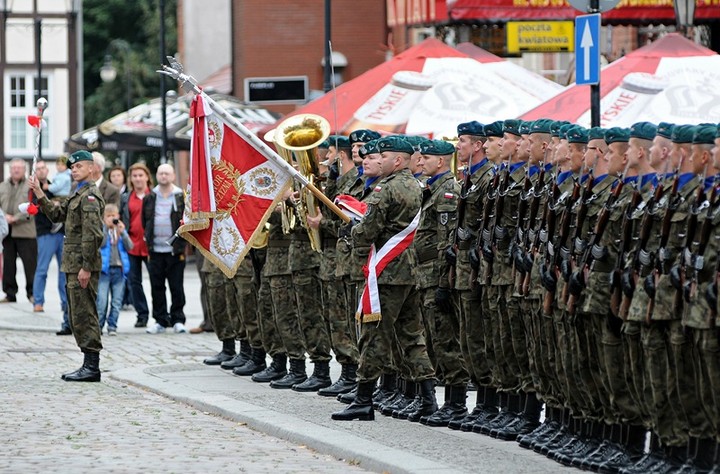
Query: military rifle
x=625, y=242
x=485, y=233
x=489, y=250
x=525, y=255
x=462, y=203
x=516, y=248
x=548, y=217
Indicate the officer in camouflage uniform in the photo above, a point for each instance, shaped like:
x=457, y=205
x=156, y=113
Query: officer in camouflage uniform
x=82, y=215
x=433, y=236
x=393, y=212
x=225, y=321
x=250, y=359
x=470, y=306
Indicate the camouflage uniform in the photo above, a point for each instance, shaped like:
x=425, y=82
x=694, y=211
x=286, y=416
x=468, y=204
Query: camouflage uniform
x=82, y=215
x=222, y=304
x=244, y=287
x=393, y=204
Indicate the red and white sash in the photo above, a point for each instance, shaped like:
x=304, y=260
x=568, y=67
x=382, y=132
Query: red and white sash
x=369, y=306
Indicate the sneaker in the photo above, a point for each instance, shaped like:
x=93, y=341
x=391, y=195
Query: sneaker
x=38, y=308
x=9, y=299
x=157, y=328
x=112, y=332
x=179, y=328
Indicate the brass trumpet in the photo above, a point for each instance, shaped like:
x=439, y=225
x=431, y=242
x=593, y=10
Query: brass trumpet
x=299, y=136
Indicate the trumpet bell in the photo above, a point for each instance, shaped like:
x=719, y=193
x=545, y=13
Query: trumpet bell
x=302, y=132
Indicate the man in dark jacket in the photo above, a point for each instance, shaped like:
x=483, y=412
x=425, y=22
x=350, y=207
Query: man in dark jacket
x=162, y=212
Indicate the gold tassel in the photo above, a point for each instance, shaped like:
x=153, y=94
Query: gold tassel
x=368, y=318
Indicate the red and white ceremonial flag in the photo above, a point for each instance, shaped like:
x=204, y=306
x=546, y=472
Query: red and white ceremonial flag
x=231, y=192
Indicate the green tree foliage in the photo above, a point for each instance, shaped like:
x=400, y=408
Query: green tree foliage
x=137, y=23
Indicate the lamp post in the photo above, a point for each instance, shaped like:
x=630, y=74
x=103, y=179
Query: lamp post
x=685, y=15
x=108, y=73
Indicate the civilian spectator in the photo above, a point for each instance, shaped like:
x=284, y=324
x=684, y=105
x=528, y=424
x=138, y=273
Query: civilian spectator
x=20, y=241
x=115, y=268
x=118, y=177
x=131, y=214
x=110, y=193
x=62, y=181
x=162, y=212
x=50, y=243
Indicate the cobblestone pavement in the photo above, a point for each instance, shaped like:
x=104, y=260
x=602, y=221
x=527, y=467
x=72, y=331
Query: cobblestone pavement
x=55, y=426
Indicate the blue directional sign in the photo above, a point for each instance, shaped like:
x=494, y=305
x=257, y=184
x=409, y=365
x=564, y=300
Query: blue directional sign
x=587, y=49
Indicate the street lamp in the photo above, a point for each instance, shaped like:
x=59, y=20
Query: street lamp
x=685, y=15
x=108, y=73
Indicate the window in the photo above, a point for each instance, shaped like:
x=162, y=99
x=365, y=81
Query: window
x=22, y=101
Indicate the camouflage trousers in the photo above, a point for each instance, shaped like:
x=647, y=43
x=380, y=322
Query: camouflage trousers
x=506, y=372
x=269, y=334
x=224, y=314
x=308, y=291
x=586, y=336
x=82, y=309
x=286, y=316
x=443, y=329
x=660, y=377
x=401, y=324
x=693, y=418
x=540, y=349
x=247, y=304
x=475, y=337
x=707, y=342
x=341, y=323
x=633, y=362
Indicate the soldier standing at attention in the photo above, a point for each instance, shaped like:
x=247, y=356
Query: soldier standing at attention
x=390, y=304
x=82, y=213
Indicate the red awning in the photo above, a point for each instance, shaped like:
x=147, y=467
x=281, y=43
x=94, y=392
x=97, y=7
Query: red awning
x=670, y=79
x=658, y=11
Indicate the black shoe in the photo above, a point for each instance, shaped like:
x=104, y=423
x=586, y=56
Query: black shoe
x=453, y=409
x=347, y=398
x=275, y=371
x=428, y=403
x=240, y=358
x=320, y=378
x=606, y=451
x=226, y=354
x=296, y=375
x=523, y=426
x=525, y=441
x=89, y=372
x=141, y=323
x=64, y=332
x=344, y=384
x=387, y=389
x=254, y=365
x=361, y=408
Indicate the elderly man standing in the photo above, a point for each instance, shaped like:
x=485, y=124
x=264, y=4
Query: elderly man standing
x=109, y=191
x=20, y=242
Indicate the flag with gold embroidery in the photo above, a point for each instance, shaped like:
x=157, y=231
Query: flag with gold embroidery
x=232, y=190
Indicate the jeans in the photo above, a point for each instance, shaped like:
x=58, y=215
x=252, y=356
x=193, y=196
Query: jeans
x=48, y=245
x=110, y=284
x=165, y=266
x=137, y=294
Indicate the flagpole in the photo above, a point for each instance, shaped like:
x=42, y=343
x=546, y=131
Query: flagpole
x=189, y=84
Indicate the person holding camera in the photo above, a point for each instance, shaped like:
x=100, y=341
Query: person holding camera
x=162, y=212
x=115, y=268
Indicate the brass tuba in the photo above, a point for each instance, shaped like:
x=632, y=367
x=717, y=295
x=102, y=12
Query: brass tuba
x=287, y=214
x=300, y=136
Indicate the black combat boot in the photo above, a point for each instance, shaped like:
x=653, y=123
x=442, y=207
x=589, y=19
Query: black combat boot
x=633, y=445
x=428, y=403
x=455, y=407
x=585, y=441
x=361, y=408
x=701, y=456
x=255, y=364
x=320, y=378
x=387, y=389
x=240, y=358
x=507, y=415
x=296, y=375
x=347, y=398
x=648, y=462
x=406, y=390
x=485, y=412
x=472, y=416
x=549, y=425
x=344, y=384
x=275, y=371
x=527, y=421
x=226, y=354
x=608, y=449
x=411, y=401
x=89, y=372
x=555, y=438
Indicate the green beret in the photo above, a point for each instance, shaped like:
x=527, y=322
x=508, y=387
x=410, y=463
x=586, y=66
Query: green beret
x=555, y=127
x=704, y=135
x=526, y=127
x=562, y=133
x=414, y=141
x=665, y=130
x=78, y=156
x=717, y=134
x=541, y=126
x=643, y=130
x=471, y=128
x=617, y=134
x=339, y=141
x=512, y=126
x=325, y=144
x=395, y=143
x=683, y=134
x=368, y=149
x=577, y=134
x=436, y=147
x=596, y=133
x=363, y=136
x=494, y=129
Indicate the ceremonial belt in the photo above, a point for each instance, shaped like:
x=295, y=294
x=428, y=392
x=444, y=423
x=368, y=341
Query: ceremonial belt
x=425, y=255
x=278, y=243
x=301, y=237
